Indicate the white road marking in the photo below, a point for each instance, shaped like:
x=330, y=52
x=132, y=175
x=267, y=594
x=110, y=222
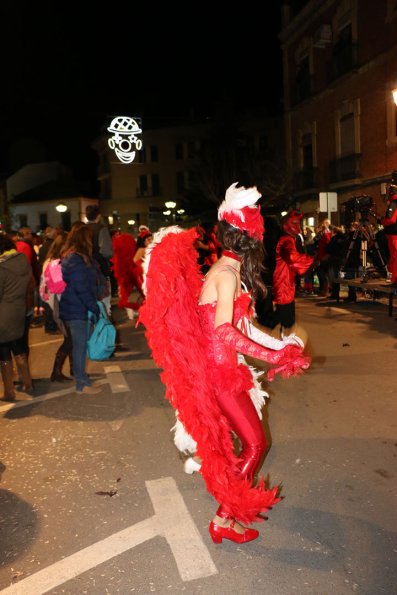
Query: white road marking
x=31, y=400
x=90, y=557
x=171, y=520
x=60, y=340
x=141, y=364
x=116, y=379
x=174, y=522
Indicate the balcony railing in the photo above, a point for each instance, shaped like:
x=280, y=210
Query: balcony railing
x=346, y=168
x=149, y=192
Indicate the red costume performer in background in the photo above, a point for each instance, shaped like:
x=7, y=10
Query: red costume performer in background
x=289, y=262
x=124, y=269
x=390, y=224
x=204, y=381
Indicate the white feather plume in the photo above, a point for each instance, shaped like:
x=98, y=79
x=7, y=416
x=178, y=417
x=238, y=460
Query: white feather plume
x=157, y=237
x=238, y=198
x=182, y=440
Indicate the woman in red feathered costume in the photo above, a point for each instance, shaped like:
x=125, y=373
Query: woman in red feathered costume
x=191, y=328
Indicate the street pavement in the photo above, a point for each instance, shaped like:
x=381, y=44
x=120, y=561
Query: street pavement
x=94, y=498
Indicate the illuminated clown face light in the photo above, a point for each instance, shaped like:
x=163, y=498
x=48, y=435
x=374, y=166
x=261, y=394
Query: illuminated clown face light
x=124, y=130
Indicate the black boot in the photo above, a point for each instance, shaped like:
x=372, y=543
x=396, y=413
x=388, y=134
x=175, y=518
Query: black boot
x=7, y=374
x=56, y=375
x=24, y=373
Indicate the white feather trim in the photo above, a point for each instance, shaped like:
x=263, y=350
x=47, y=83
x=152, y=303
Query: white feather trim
x=157, y=237
x=182, y=440
x=257, y=394
x=238, y=198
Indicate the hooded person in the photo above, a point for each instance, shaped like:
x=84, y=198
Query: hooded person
x=289, y=263
x=389, y=222
x=196, y=328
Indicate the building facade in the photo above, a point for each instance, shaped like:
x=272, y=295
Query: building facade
x=340, y=68
x=161, y=172
x=42, y=194
x=188, y=164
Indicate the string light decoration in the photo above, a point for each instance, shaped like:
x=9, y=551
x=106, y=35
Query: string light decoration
x=124, y=140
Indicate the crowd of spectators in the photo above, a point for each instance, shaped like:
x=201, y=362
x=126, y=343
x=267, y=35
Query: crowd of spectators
x=97, y=265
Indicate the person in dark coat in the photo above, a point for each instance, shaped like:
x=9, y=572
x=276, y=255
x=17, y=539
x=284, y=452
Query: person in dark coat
x=335, y=250
x=264, y=305
x=102, y=248
x=352, y=260
x=15, y=282
x=79, y=297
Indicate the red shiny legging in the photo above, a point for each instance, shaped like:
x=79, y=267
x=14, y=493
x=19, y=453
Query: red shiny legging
x=244, y=421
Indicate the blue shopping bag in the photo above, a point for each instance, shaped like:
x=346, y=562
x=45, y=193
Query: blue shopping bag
x=101, y=336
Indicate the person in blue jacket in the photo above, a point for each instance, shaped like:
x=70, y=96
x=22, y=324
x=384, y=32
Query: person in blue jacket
x=79, y=297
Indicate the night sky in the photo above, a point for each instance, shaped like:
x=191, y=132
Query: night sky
x=68, y=69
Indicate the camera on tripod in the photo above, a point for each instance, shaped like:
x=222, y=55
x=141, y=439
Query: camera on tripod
x=363, y=239
x=359, y=204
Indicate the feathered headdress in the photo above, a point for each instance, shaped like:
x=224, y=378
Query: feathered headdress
x=240, y=211
x=144, y=233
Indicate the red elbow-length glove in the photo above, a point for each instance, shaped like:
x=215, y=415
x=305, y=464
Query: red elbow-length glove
x=290, y=360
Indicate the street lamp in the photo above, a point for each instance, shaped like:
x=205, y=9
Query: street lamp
x=61, y=208
x=170, y=204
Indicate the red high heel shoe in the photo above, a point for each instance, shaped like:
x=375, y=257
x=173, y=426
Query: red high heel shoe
x=218, y=533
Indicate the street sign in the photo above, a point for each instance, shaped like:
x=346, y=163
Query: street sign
x=328, y=202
